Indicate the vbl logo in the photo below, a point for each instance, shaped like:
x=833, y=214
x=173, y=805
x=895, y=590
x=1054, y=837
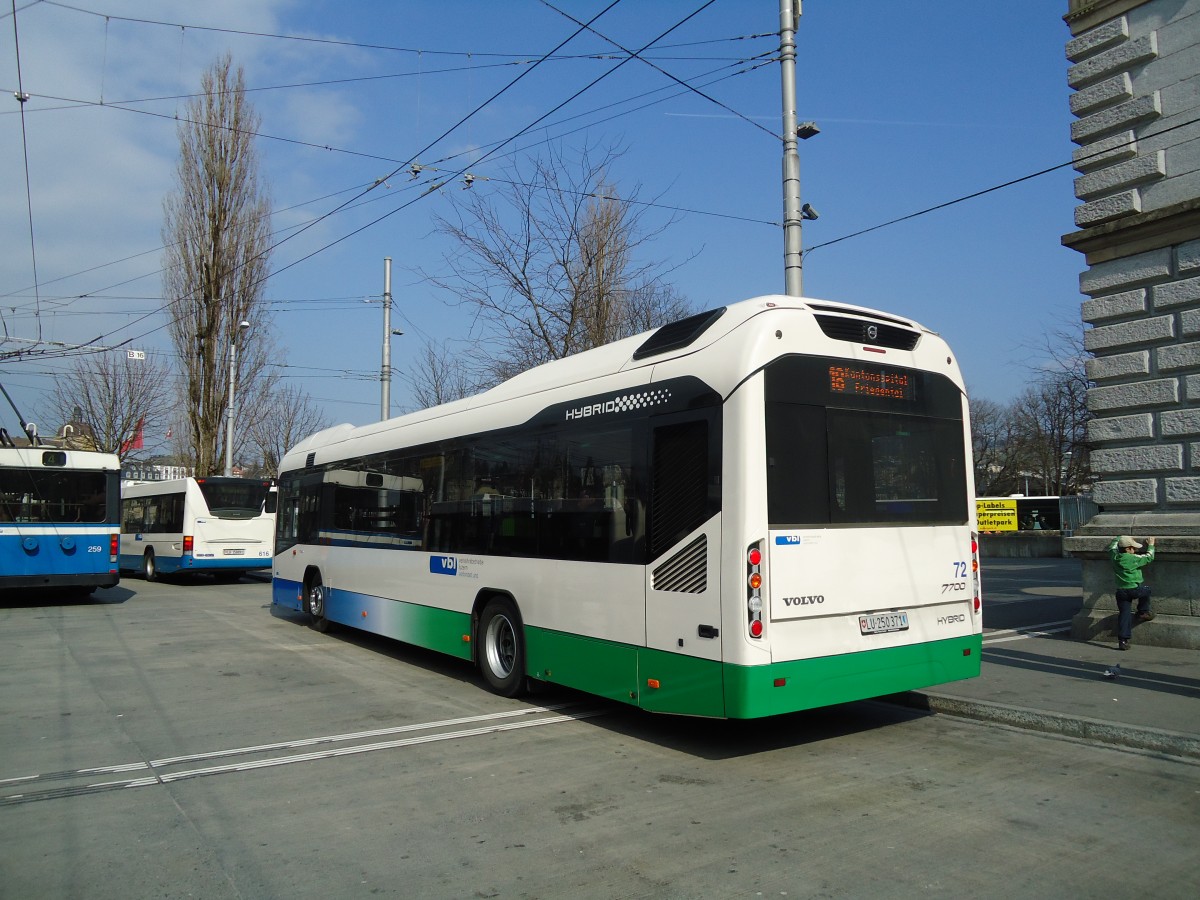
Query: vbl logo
x=443, y=565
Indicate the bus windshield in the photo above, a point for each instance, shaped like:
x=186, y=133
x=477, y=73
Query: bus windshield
x=34, y=495
x=234, y=498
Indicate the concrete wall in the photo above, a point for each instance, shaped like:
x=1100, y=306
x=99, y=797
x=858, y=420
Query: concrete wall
x=1021, y=545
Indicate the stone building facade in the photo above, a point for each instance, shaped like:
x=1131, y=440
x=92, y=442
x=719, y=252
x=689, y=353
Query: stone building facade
x=1135, y=71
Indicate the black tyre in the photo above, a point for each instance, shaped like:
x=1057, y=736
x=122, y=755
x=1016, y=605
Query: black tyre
x=501, y=642
x=314, y=604
x=149, y=568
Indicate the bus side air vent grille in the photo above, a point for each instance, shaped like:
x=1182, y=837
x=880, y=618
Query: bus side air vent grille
x=865, y=331
x=686, y=572
x=675, y=335
x=310, y=460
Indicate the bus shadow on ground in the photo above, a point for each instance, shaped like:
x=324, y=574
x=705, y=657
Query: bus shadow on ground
x=721, y=739
x=24, y=598
x=711, y=739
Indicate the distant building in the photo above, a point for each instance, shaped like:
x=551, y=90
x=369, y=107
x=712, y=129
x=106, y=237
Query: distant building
x=1135, y=70
x=134, y=470
x=77, y=434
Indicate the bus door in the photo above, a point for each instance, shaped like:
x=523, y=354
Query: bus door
x=680, y=669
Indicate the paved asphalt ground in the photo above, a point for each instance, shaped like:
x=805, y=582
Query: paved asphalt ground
x=186, y=740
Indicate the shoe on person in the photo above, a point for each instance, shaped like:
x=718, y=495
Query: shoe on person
x=1122, y=645
x=1145, y=616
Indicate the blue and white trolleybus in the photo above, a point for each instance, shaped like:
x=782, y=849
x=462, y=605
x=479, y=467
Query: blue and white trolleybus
x=59, y=518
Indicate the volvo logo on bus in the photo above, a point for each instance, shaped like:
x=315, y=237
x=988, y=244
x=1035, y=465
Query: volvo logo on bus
x=872, y=332
x=810, y=600
x=624, y=403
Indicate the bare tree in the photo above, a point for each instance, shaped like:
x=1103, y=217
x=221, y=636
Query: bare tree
x=996, y=450
x=1051, y=434
x=550, y=262
x=1038, y=442
x=216, y=230
x=279, y=422
x=110, y=398
x=439, y=375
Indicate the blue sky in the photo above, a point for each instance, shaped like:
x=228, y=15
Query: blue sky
x=920, y=102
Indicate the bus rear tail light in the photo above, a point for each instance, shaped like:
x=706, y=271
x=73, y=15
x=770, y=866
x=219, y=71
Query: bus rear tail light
x=976, y=593
x=754, y=581
x=188, y=543
x=114, y=547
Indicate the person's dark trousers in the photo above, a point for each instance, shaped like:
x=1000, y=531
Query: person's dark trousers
x=1125, y=598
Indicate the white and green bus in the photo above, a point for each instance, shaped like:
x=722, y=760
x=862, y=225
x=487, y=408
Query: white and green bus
x=759, y=509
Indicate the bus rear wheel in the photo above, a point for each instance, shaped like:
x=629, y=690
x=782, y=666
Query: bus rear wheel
x=502, y=648
x=149, y=569
x=314, y=602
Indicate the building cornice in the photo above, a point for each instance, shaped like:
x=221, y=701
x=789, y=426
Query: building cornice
x=1085, y=14
x=1138, y=233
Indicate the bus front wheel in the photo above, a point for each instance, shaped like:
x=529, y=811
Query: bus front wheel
x=502, y=648
x=149, y=569
x=315, y=602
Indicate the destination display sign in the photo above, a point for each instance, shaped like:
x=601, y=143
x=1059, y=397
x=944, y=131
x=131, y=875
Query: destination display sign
x=888, y=384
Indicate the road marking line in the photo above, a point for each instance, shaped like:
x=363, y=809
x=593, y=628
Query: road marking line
x=416, y=740
x=357, y=735
x=1027, y=631
x=383, y=745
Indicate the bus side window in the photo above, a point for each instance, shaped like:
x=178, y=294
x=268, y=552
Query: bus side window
x=679, y=487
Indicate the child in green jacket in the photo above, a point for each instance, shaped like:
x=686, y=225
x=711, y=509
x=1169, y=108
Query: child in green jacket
x=1127, y=567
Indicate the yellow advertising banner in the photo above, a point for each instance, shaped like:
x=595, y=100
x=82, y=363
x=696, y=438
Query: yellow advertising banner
x=996, y=515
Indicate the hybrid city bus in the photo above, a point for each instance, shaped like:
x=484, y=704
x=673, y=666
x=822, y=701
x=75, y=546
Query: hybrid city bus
x=59, y=518
x=759, y=509
x=220, y=526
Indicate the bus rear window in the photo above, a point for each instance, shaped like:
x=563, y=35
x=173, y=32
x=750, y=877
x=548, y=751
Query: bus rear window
x=851, y=467
x=234, y=498
x=893, y=454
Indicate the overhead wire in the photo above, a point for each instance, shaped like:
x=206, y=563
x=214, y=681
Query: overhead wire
x=1077, y=161
x=500, y=146
x=900, y=219
x=357, y=45
x=396, y=170
x=22, y=98
x=660, y=69
x=327, y=147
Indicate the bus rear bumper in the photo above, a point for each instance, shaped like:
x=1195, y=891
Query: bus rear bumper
x=92, y=580
x=754, y=691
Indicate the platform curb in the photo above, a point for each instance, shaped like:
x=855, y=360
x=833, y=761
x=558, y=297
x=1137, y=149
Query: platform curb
x=1135, y=737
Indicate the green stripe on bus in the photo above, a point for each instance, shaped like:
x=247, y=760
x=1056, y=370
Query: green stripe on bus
x=604, y=668
x=690, y=686
x=425, y=626
x=752, y=691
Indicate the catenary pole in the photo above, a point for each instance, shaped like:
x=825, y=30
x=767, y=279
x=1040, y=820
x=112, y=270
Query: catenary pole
x=789, y=18
x=241, y=328
x=385, y=370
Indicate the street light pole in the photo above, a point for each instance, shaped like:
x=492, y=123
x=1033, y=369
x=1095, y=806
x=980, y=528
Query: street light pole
x=385, y=369
x=789, y=14
x=242, y=326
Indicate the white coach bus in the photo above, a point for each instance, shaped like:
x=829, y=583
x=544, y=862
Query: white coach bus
x=759, y=509
x=221, y=526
